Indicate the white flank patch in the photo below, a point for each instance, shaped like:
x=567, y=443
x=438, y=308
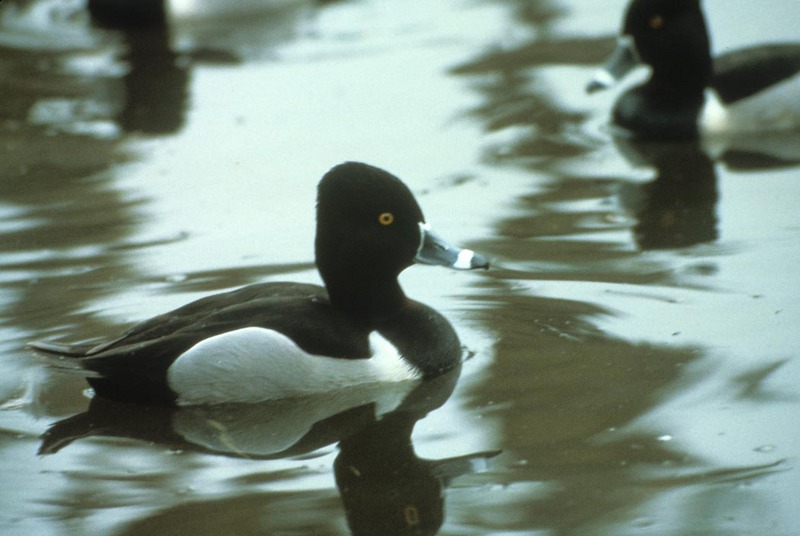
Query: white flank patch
x=775, y=108
x=714, y=116
x=256, y=364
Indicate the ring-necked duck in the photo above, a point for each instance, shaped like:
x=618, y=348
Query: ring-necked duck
x=688, y=94
x=277, y=340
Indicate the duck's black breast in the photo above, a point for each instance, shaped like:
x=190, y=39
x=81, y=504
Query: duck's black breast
x=423, y=337
x=650, y=113
x=742, y=73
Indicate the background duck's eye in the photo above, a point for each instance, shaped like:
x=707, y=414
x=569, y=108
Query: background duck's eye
x=656, y=22
x=386, y=218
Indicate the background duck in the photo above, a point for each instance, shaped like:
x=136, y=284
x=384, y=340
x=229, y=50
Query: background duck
x=689, y=94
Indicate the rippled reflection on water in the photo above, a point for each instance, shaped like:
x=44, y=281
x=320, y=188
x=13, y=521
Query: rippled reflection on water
x=632, y=354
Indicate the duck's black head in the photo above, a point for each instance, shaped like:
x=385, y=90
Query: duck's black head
x=671, y=36
x=369, y=229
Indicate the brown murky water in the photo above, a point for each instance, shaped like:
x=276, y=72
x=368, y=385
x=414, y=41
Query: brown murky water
x=633, y=354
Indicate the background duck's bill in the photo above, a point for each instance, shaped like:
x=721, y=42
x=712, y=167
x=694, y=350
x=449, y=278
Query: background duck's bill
x=621, y=62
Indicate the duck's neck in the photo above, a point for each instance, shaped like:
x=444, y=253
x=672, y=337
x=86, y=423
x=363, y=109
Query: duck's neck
x=686, y=69
x=366, y=296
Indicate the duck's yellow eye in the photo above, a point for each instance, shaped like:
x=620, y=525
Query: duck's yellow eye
x=386, y=218
x=656, y=22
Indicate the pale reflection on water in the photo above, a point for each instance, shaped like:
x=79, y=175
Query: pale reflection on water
x=632, y=354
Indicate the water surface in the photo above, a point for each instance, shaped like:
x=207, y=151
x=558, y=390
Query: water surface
x=632, y=355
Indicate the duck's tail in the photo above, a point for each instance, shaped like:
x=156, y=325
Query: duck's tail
x=64, y=350
x=69, y=357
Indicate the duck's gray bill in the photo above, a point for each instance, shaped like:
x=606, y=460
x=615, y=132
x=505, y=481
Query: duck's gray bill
x=621, y=62
x=433, y=249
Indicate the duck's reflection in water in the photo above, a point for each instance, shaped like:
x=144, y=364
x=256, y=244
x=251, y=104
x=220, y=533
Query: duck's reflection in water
x=678, y=207
x=156, y=80
x=385, y=488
